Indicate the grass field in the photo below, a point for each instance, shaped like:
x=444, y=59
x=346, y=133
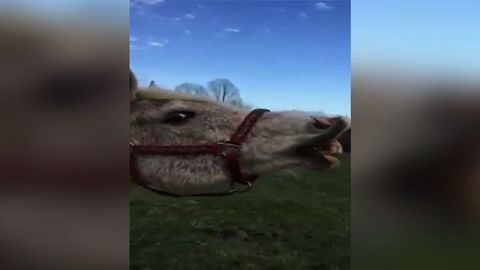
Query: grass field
x=284, y=222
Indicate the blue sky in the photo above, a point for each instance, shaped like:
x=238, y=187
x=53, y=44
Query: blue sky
x=425, y=36
x=281, y=54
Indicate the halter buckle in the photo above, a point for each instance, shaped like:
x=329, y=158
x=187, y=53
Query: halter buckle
x=228, y=147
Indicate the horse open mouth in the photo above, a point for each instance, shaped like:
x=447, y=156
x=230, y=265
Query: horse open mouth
x=324, y=147
x=326, y=154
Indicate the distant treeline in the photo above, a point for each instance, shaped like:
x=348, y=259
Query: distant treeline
x=222, y=90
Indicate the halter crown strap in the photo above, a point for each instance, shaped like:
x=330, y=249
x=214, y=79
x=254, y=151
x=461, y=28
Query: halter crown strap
x=240, y=135
x=237, y=138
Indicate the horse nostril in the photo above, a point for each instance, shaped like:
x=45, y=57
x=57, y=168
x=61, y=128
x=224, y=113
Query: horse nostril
x=320, y=123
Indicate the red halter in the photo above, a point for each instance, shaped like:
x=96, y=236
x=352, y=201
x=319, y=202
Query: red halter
x=229, y=149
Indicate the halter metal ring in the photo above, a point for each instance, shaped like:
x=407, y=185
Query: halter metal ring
x=228, y=145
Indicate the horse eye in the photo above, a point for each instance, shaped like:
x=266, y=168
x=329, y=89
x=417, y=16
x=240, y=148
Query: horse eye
x=178, y=117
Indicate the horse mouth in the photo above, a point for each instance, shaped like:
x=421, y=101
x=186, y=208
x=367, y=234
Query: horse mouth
x=326, y=154
x=324, y=147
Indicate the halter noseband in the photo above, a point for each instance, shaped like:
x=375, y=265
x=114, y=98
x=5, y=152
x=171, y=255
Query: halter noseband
x=228, y=149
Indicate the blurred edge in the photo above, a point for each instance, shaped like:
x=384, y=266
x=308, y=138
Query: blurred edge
x=63, y=151
x=416, y=158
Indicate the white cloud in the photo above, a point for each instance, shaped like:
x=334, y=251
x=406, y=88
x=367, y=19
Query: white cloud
x=156, y=44
x=189, y=16
x=133, y=39
x=233, y=30
x=303, y=15
x=186, y=31
x=323, y=6
x=149, y=2
x=177, y=19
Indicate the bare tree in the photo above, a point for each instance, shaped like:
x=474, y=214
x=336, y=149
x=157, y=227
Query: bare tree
x=221, y=90
x=224, y=90
x=193, y=89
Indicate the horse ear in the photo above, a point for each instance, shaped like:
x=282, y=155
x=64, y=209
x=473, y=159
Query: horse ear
x=133, y=86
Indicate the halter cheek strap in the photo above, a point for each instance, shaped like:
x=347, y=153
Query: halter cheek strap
x=228, y=149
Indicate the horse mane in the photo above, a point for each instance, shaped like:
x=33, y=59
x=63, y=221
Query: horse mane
x=157, y=93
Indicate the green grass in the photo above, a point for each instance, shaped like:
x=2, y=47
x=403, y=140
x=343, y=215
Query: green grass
x=284, y=222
